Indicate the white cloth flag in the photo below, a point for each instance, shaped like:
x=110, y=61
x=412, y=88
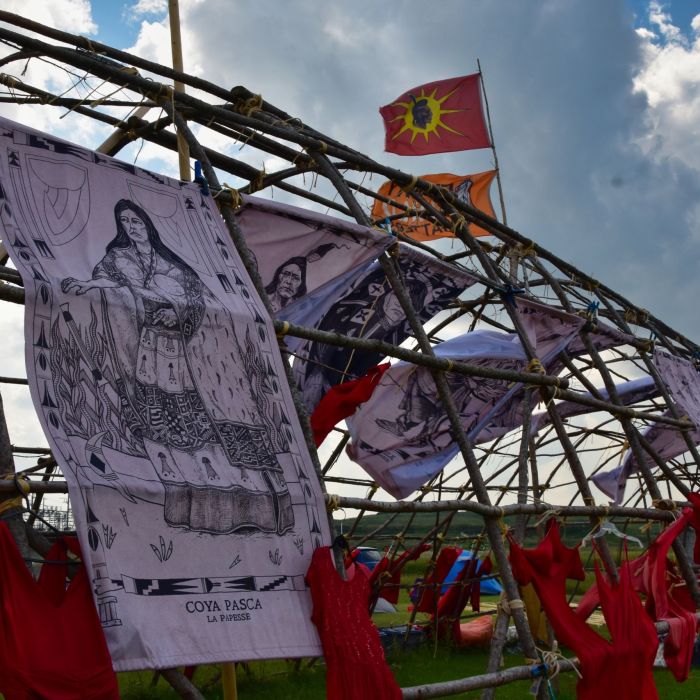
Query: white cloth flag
x=158, y=382
x=305, y=259
x=666, y=440
x=683, y=383
x=402, y=436
x=629, y=393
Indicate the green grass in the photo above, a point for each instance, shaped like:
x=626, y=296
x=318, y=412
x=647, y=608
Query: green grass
x=279, y=679
x=427, y=664
x=305, y=680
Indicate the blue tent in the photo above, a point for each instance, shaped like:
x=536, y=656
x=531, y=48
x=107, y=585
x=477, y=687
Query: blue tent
x=489, y=587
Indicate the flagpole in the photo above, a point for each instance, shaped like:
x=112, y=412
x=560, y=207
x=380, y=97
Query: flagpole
x=493, y=146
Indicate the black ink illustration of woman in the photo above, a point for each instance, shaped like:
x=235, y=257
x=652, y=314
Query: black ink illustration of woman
x=188, y=389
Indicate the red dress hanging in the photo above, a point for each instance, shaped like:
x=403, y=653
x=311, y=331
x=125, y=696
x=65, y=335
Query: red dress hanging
x=51, y=641
x=621, y=668
x=356, y=667
x=388, y=573
x=667, y=597
x=431, y=590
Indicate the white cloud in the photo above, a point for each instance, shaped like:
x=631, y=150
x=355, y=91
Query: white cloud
x=148, y=7
x=669, y=79
x=663, y=20
x=68, y=15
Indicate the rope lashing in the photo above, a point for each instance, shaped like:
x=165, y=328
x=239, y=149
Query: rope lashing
x=236, y=198
x=9, y=80
x=508, y=606
x=22, y=486
x=554, y=392
x=251, y=105
x=664, y=504
x=259, y=181
x=553, y=659
x=549, y=513
x=523, y=250
x=458, y=221
x=502, y=526
x=636, y=316
x=281, y=332
x=332, y=502
x=410, y=186
x=321, y=147
x=161, y=92
x=535, y=366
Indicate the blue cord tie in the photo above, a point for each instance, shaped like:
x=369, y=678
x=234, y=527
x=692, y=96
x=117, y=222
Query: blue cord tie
x=200, y=179
x=591, y=316
x=508, y=293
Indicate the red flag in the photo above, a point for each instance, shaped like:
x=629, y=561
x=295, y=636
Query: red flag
x=437, y=117
x=340, y=401
x=471, y=189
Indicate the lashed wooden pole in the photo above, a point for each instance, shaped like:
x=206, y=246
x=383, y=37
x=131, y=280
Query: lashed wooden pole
x=183, y=150
x=492, y=523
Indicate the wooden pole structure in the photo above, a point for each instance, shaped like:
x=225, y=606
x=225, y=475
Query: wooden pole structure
x=500, y=467
x=228, y=680
x=176, y=43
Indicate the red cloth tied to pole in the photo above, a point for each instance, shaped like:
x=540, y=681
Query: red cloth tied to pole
x=620, y=668
x=427, y=603
x=51, y=642
x=667, y=597
x=392, y=572
x=340, y=401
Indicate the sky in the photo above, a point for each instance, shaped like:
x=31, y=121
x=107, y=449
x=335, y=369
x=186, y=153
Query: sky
x=595, y=106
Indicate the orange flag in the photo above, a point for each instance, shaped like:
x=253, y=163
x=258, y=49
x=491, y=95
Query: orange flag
x=471, y=189
x=442, y=116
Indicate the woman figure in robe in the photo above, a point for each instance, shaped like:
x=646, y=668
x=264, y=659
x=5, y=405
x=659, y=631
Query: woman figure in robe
x=183, y=380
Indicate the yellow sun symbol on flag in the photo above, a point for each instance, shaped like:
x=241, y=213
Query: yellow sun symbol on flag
x=424, y=114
